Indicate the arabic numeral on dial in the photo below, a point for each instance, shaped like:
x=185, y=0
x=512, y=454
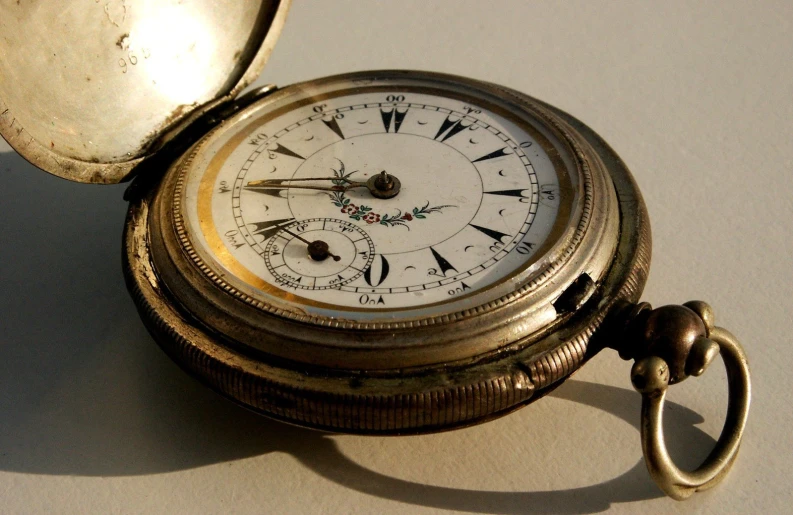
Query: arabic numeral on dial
x=377, y=272
x=224, y=187
x=526, y=144
x=525, y=247
x=301, y=227
x=395, y=98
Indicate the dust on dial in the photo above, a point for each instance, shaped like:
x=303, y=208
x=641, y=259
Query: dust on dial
x=370, y=200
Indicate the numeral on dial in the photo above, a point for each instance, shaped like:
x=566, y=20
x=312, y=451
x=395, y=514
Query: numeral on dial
x=525, y=247
x=376, y=277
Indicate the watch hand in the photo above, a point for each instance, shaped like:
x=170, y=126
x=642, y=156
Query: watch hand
x=382, y=185
x=279, y=184
x=318, y=250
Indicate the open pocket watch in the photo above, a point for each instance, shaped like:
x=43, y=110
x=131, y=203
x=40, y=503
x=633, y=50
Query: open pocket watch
x=382, y=252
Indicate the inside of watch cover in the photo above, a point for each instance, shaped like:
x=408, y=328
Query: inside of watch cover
x=86, y=87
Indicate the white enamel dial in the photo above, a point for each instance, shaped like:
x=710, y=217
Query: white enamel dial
x=482, y=194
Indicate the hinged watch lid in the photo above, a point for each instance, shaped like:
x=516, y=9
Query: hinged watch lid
x=87, y=88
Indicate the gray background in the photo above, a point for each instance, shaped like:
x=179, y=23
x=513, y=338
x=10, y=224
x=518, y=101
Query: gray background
x=696, y=98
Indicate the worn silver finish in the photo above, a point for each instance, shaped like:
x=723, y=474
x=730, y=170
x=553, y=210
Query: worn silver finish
x=693, y=340
x=87, y=89
x=408, y=377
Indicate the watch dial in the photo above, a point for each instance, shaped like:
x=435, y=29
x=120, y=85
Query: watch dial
x=377, y=199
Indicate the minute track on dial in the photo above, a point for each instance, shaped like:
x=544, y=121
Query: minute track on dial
x=432, y=149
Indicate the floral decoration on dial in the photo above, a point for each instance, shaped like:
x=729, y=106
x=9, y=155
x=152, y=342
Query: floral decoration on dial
x=365, y=213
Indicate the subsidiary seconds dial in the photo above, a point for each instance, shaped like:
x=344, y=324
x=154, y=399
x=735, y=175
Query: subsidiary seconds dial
x=318, y=254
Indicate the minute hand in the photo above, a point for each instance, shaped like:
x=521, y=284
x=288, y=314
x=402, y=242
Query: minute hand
x=279, y=184
x=382, y=185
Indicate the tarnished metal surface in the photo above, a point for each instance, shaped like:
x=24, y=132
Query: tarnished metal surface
x=88, y=87
x=674, y=342
x=438, y=395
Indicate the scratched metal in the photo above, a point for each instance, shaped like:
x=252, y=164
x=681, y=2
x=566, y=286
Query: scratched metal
x=428, y=377
x=87, y=87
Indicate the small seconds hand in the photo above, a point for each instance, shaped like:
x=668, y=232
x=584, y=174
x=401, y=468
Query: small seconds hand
x=318, y=247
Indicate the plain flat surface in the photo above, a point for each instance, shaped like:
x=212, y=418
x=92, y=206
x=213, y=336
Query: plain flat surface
x=695, y=97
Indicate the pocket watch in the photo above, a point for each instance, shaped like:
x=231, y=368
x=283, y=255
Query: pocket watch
x=381, y=252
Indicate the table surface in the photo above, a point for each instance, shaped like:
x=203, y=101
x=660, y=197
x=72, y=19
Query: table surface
x=695, y=97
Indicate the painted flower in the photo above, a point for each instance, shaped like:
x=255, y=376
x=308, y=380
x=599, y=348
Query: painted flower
x=350, y=209
x=371, y=218
x=367, y=214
